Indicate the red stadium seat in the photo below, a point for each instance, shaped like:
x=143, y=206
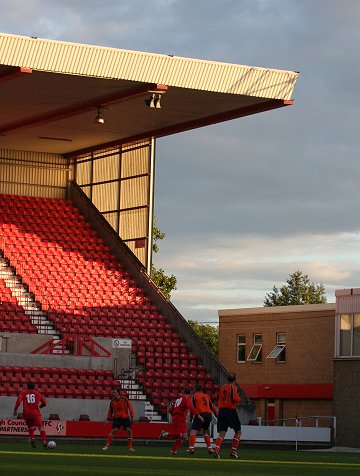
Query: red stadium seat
x=84, y=417
x=54, y=416
x=69, y=393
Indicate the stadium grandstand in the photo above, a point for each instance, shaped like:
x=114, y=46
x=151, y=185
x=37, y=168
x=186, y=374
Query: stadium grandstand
x=79, y=313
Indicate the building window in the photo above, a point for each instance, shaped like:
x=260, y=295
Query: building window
x=349, y=342
x=255, y=354
x=241, y=348
x=279, y=351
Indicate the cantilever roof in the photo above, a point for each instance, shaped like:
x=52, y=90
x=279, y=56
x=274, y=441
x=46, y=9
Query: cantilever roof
x=49, y=92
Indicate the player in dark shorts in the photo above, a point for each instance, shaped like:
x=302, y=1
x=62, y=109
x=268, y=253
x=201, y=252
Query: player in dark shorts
x=202, y=403
x=227, y=417
x=121, y=414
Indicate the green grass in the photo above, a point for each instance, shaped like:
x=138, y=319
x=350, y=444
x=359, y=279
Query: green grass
x=19, y=458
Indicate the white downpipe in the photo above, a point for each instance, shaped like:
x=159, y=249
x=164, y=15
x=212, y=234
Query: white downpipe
x=151, y=206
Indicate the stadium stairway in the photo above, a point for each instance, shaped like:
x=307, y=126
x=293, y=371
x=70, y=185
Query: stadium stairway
x=12, y=286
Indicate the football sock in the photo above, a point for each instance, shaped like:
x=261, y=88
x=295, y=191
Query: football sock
x=43, y=436
x=207, y=441
x=218, y=443
x=235, y=442
x=31, y=432
x=176, y=445
x=192, y=441
x=109, y=440
x=130, y=443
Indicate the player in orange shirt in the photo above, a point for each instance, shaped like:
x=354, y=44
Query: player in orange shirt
x=32, y=400
x=227, y=417
x=121, y=414
x=205, y=407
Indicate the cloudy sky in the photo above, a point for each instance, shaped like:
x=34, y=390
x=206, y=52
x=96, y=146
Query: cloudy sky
x=245, y=203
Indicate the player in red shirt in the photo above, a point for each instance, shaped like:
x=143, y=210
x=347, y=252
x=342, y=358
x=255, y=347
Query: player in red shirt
x=227, y=417
x=32, y=401
x=201, y=402
x=121, y=413
x=179, y=411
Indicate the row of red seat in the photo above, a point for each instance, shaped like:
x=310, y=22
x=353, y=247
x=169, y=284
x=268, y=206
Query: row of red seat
x=58, y=392
x=52, y=371
x=10, y=326
x=59, y=382
x=33, y=202
x=67, y=382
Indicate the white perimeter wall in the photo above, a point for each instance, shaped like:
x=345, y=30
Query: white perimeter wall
x=281, y=433
x=71, y=408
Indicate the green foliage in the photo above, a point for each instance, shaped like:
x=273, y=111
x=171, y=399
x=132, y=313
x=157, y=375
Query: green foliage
x=208, y=334
x=165, y=283
x=157, y=235
x=297, y=290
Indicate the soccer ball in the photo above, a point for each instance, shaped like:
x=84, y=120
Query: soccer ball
x=51, y=445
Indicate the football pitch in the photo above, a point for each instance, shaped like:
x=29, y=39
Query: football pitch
x=19, y=458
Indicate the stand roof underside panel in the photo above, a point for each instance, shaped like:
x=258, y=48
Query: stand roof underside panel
x=50, y=93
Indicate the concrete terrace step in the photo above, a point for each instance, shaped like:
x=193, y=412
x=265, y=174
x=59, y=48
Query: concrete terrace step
x=152, y=416
x=130, y=385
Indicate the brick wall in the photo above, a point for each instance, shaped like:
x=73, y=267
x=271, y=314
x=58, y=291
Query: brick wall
x=309, y=343
x=310, y=336
x=347, y=401
x=299, y=408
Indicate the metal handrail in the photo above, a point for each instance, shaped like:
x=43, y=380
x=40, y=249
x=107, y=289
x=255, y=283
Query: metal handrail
x=297, y=420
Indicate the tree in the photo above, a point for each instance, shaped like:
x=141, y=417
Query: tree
x=165, y=283
x=297, y=290
x=157, y=236
x=208, y=334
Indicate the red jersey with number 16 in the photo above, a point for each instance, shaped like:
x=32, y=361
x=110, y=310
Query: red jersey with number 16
x=228, y=396
x=31, y=400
